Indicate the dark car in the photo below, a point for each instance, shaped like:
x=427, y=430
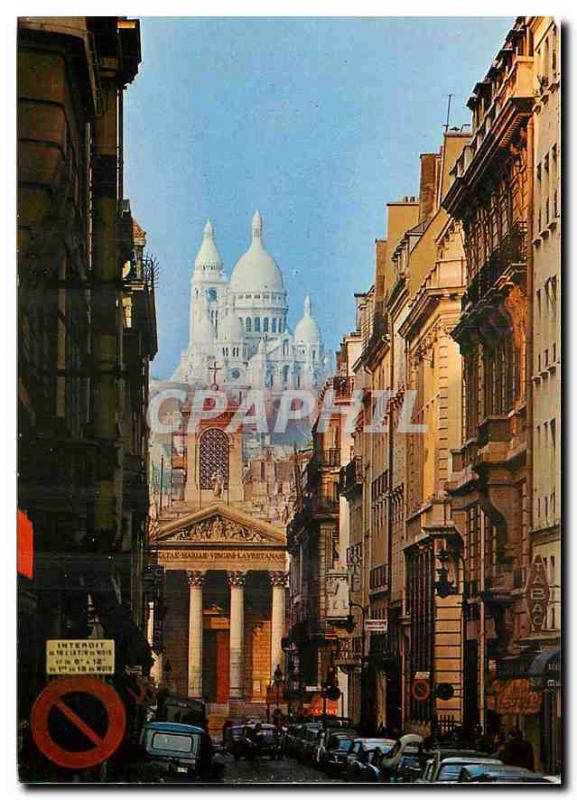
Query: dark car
x=310, y=745
x=304, y=735
x=363, y=760
x=333, y=750
x=173, y=752
x=481, y=773
x=239, y=741
x=290, y=739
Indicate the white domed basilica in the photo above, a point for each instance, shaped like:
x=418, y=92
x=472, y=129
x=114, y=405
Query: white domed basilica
x=239, y=336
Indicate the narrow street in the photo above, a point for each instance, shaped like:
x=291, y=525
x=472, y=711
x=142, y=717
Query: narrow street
x=287, y=770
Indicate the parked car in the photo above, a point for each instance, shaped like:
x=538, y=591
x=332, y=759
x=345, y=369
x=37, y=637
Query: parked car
x=307, y=733
x=362, y=764
x=290, y=739
x=172, y=752
x=311, y=741
x=409, y=769
x=447, y=770
x=239, y=741
x=333, y=749
x=500, y=773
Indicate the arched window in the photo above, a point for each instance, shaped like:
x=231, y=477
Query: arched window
x=265, y=325
x=213, y=457
x=285, y=374
x=274, y=324
x=248, y=324
x=257, y=324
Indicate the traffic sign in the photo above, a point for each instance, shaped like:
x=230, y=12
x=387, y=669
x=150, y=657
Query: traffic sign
x=421, y=689
x=444, y=691
x=81, y=702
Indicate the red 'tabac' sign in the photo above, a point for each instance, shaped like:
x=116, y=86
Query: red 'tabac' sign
x=537, y=593
x=104, y=743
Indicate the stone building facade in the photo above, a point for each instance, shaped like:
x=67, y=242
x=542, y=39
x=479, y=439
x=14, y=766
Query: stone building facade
x=87, y=332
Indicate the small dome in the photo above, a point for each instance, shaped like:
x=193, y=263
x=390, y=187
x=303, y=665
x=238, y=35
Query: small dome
x=256, y=270
x=307, y=331
x=230, y=329
x=208, y=256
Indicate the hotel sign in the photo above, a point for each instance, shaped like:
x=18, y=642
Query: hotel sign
x=537, y=594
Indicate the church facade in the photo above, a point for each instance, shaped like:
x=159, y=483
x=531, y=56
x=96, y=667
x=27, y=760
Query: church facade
x=238, y=333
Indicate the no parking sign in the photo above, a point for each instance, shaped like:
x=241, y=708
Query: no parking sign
x=78, y=722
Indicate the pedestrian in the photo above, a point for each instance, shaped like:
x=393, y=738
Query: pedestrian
x=517, y=751
x=225, y=727
x=256, y=738
x=482, y=742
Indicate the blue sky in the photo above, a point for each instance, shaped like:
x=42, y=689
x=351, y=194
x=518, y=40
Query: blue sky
x=317, y=122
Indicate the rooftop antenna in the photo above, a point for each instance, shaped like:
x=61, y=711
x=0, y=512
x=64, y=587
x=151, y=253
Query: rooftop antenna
x=448, y=113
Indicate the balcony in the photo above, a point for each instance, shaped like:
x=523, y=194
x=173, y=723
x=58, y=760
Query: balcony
x=322, y=459
x=351, y=476
x=342, y=387
x=511, y=250
x=325, y=502
x=501, y=580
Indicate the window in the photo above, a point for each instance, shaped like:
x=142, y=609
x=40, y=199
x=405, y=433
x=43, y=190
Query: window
x=257, y=324
x=274, y=324
x=211, y=294
x=213, y=457
x=175, y=742
x=248, y=324
x=265, y=325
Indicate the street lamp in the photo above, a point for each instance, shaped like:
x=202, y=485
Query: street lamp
x=350, y=625
x=445, y=587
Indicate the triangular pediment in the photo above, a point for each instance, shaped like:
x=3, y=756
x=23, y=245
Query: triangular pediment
x=220, y=524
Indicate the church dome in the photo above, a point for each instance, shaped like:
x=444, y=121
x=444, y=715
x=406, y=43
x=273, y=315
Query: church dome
x=208, y=257
x=307, y=331
x=256, y=270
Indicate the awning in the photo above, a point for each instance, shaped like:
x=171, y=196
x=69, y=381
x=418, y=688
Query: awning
x=546, y=663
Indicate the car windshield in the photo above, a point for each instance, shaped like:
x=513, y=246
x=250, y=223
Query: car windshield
x=450, y=772
x=338, y=743
x=175, y=742
x=269, y=735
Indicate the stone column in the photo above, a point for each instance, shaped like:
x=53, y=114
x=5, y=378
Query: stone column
x=195, y=633
x=277, y=621
x=236, y=583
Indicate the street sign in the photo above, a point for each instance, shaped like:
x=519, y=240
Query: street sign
x=376, y=625
x=92, y=717
x=80, y=657
x=421, y=689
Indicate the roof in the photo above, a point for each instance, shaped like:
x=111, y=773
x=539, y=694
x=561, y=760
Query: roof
x=465, y=760
x=173, y=727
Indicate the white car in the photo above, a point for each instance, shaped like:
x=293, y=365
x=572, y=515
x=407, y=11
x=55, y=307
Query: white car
x=447, y=770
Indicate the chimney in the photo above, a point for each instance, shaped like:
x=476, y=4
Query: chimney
x=429, y=162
